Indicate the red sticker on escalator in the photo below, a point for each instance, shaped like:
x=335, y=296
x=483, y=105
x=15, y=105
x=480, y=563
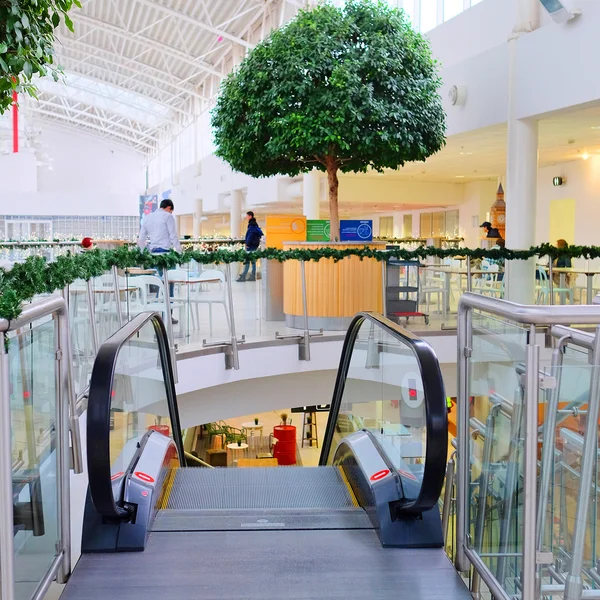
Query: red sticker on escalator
x=408, y=475
x=144, y=477
x=380, y=475
x=117, y=475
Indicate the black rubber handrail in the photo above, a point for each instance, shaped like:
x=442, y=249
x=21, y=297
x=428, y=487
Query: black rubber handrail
x=436, y=410
x=99, y=404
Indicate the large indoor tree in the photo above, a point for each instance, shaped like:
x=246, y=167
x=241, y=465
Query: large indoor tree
x=337, y=89
x=27, y=29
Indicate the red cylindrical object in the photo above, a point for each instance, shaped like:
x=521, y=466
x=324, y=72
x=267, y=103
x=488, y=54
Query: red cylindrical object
x=15, y=122
x=285, y=448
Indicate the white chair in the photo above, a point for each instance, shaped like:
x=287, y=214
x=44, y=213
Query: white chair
x=210, y=293
x=543, y=288
x=148, y=301
x=433, y=286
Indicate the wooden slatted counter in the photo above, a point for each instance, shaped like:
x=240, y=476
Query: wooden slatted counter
x=336, y=291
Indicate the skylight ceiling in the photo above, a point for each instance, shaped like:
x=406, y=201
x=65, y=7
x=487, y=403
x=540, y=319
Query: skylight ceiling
x=136, y=67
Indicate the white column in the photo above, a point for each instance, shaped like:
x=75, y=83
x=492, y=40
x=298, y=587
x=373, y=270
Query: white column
x=521, y=172
x=235, y=218
x=311, y=195
x=197, y=218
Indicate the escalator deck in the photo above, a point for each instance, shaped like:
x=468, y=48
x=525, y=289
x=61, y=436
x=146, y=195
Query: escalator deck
x=294, y=533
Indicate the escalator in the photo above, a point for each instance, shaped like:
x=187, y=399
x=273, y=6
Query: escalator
x=363, y=524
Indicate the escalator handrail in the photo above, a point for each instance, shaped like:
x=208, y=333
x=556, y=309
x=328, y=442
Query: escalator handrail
x=99, y=405
x=436, y=410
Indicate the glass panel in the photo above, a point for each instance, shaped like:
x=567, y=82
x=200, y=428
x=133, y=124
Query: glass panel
x=428, y=15
x=139, y=397
x=452, y=227
x=426, y=225
x=438, y=224
x=33, y=409
x=80, y=323
x=407, y=226
x=384, y=395
x=496, y=402
x=564, y=469
x=452, y=8
x=107, y=322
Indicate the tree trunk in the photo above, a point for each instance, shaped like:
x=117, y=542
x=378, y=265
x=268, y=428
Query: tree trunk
x=334, y=216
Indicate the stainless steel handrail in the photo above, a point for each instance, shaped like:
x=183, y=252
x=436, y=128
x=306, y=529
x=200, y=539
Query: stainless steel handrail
x=530, y=316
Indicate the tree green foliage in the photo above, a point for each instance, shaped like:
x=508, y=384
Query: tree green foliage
x=345, y=89
x=27, y=43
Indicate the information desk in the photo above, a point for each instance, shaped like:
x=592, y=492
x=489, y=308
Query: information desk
x=335, y=291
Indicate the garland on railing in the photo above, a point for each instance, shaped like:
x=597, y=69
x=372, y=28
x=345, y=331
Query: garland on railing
x=35, y=275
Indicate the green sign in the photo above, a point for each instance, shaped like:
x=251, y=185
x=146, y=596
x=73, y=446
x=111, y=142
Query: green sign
x=317, y=231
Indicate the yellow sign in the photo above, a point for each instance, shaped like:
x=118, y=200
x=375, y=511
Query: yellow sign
x=284, y=228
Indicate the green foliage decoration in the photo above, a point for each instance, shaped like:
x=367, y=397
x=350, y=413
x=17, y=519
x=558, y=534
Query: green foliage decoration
x=336, y=89
x=37, y=276
x=27, y=37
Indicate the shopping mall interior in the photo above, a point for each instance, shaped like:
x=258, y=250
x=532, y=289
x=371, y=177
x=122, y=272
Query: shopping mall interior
x=299, y=298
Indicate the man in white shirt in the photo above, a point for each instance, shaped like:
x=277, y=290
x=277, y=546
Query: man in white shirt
x=159, y=233
x=159, y=227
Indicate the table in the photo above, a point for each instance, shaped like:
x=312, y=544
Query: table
x=192, y=281
x=234, y=446
x=589, y=274
x=448, y=272
x=251, y=426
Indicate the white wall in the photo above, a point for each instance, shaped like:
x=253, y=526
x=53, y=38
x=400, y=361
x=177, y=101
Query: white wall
x=89, y=176
x=583, y=186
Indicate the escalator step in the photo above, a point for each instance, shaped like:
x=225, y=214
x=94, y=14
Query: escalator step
x=284, y=487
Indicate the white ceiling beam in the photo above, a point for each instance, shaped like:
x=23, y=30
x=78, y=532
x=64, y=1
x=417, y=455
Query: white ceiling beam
x=141, y=68
x=127, y=36
x=75, y=112
x=99, y=128
x=187, y=19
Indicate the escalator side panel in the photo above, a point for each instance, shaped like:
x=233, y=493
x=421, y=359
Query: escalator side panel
x=379, y=492
x=145, y=489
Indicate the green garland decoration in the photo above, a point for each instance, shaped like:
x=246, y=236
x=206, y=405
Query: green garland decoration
x=38, y=276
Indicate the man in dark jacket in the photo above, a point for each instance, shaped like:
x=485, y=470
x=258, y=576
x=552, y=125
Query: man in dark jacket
x=491, y=232
x=253, y=235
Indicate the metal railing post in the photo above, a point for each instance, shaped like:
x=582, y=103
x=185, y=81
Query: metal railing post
x=305, y=312
x=115, y=274
x=65, y=406
x=234, y=342
x=551, y=280
x=384, y=287
x=469, y=283
x=92, y=308
x=464, y=343
x=7, y=565
x=169, y=322
x=450, y=472
x=530, y=405
x=574, y=585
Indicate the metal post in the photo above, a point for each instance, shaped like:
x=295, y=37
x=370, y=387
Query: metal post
x=115, y=274
x=448, y=495
x=7, y=567
x=65, y=348
x=551, y=280
x=169, y=322
x=529, y=579
x=65, y=400
x=234, y=343
x=464, y=343
x=469, y=284
x=384, y=287
x=306, y=340
x=92, y=308
x=549, y=440
x=574, y=585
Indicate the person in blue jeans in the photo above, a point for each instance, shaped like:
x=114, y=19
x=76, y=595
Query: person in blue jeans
x=253, y=235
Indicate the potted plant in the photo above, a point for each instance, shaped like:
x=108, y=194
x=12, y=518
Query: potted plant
x=256, y=420
x=239, y=441
x=284, y=418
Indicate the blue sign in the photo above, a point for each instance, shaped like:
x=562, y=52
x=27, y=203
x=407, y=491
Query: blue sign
x=356, y=231
x=166, y=195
